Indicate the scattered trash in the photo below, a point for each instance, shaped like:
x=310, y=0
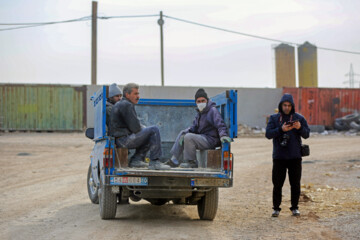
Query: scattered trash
x=305, y=197
x=308, y=186
x=24, y=154
x=307, y=162
x=354, y=160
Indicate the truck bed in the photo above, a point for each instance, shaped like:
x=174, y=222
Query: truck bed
x=174, y=172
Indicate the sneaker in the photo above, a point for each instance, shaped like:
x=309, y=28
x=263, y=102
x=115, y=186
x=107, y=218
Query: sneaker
x=171, y=164
x=275, y=213
x=174, y=162
x=137, y=164
x=157, y=165
x=189, y=165
x=295, y=212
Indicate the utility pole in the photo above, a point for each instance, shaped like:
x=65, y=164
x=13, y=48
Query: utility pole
x=351, y=75
x=161, y=23
x=94, y=43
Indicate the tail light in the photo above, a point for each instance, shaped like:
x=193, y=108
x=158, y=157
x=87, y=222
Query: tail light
x=227, y=160
x=108, y=158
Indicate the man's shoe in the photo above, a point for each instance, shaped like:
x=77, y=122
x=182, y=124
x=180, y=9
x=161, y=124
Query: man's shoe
x=171, y=163
x=157, y=165
x=137, y=164
x=275, y=213
x=295, y=212
x=189, y=165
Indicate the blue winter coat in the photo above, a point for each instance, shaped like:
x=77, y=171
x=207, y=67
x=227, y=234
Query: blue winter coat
x=274, y=132
x=210, y=124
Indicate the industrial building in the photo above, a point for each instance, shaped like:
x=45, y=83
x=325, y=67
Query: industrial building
x=285, y=66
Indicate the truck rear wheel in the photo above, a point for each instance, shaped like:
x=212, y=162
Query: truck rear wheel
x=208, y=204
x=107, y=202
x=92, y=188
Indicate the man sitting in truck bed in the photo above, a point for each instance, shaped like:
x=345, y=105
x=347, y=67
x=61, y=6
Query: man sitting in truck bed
x=207, y=131
x=126, y=128
x=115, y=95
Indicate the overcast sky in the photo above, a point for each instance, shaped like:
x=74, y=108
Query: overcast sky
x=129, y=49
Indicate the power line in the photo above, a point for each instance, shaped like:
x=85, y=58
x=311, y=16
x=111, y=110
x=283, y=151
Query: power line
x=28, y=25
x=129, y=16
x=254, y=36
x=45, y=23
x=87, y=18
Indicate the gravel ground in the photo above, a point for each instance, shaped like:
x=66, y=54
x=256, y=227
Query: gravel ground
x=44, y=195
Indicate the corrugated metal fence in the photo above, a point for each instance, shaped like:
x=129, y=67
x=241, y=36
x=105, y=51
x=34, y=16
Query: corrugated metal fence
x=42, y=107
x=321, y=106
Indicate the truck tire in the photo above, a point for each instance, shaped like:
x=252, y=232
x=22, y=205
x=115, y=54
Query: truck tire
x=350, y=118
x=107, y=202
x=92, y=188
x=208, y=204
x=355, y=126
x=340, y=125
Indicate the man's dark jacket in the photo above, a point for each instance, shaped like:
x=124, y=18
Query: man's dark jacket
x=210, y=124
x=123, y=119
x=274, y=131
x=109, y=107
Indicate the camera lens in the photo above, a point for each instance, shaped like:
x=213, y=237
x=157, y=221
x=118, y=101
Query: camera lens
x=284, y=140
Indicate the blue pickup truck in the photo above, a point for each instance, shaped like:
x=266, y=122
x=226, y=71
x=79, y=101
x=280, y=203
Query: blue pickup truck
x=111, y=182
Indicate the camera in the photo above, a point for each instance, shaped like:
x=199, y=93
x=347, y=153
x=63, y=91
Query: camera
x=284, y=140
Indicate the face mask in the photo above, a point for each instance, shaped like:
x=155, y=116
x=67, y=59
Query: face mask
x=201, y=106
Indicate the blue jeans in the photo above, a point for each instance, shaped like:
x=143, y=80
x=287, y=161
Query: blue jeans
x=148, y=139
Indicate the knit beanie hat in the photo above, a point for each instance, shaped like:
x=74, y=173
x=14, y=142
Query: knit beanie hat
x=201, y=93
x=114, y=90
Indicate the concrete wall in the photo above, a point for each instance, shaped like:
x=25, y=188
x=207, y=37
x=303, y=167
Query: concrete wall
x=254, y=104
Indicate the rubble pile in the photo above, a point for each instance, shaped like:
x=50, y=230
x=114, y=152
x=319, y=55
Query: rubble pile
x=348, y=122
x=247, y=131
x=329, y=200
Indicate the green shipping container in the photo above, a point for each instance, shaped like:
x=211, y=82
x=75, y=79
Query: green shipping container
x=42, y=107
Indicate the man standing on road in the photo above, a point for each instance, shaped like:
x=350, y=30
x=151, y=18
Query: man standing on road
x=126, y=128
x=207, y=132
x=286, y=129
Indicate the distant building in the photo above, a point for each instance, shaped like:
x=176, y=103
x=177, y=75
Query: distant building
x=285, y=66
x=307, y=60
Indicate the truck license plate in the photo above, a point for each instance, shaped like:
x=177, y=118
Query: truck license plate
x=135, y=181
x=203, y=182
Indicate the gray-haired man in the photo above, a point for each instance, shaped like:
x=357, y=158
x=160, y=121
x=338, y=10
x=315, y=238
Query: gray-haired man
x=126, y=127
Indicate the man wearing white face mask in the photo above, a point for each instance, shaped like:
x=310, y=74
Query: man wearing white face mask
x=207, y=132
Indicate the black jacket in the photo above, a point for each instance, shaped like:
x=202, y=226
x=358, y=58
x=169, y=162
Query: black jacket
x=123, y=119
x=274, y=131
x=109, y=107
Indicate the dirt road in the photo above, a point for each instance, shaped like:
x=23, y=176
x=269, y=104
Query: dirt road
x=44, y=195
